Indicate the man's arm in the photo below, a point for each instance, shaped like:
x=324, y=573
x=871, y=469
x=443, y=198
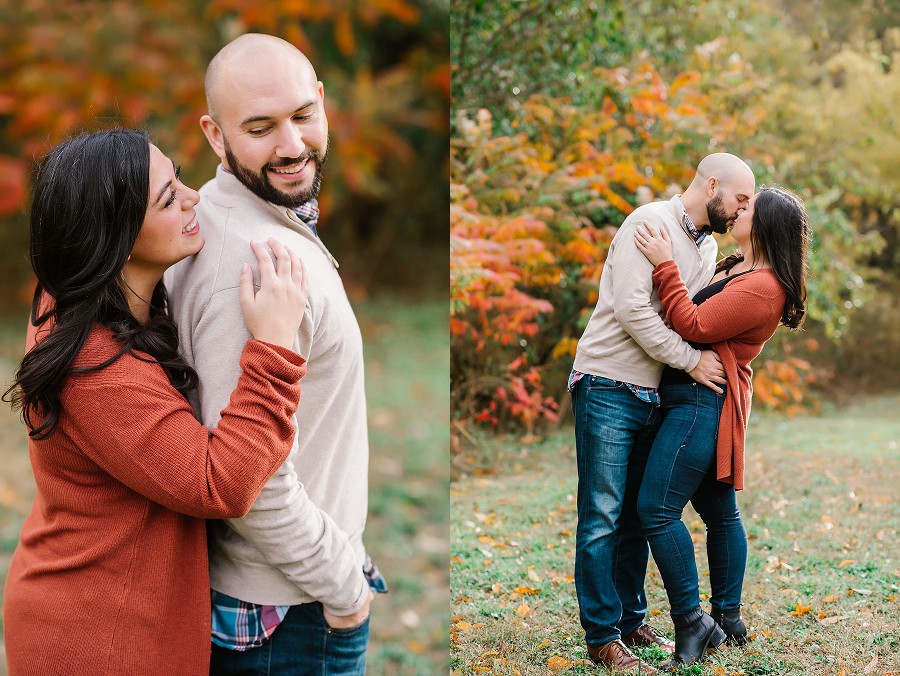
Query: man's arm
x=632, y=284
x=290, y=532
x=632, y=307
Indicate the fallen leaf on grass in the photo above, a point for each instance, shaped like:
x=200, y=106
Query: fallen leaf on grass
x=834, y=619
x=855, y=590
x=800, y=610
x=655, y=612
x=543, y=644
x=558, y=663
x=870, y=667
x=534, y=577
x=496, y=587
x=846, y=562
x=831, y=598
x=526, y=591
x=523, y=610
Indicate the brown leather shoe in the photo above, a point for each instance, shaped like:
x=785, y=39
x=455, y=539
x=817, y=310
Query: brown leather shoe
x=647, y=635
x=618, y=657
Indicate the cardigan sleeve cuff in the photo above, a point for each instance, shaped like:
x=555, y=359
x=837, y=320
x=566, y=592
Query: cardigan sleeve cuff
x=279, y=361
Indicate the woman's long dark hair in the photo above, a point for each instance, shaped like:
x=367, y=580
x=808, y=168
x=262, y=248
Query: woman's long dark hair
x=90, y=200
x=780, y=232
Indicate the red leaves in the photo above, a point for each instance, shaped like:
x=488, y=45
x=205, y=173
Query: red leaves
x=13, y=185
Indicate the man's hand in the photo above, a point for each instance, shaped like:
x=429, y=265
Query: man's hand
x=349, y=621
x=709, y=371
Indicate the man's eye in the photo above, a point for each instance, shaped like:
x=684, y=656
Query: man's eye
x=258, y=132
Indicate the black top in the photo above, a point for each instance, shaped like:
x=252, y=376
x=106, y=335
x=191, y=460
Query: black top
x=673, y=376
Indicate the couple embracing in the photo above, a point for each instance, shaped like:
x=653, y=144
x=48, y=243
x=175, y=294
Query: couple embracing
x=661, y=391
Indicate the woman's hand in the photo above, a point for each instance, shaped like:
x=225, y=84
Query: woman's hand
x=274, y=313
x=654, y=244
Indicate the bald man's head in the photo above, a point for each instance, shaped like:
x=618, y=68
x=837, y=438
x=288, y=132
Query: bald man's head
x=253, y=50
x=726, y=168
x=266, y=118
x=722, y=185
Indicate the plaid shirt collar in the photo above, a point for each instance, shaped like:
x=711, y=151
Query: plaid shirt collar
x=698, y=235
x=308, y=212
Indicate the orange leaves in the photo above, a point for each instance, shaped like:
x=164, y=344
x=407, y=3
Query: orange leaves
x=533, y=211
x=557, y=663
x=800, y=610
x=13, y=182
x=783, y=384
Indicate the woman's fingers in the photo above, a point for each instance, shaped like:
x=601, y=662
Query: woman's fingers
x=266, y=267
x=282, y=258
x=246, y=287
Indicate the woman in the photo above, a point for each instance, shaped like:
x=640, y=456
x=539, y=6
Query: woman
x=698, y=453
x=110, y=575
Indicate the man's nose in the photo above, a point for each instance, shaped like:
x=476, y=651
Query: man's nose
x=290, y=142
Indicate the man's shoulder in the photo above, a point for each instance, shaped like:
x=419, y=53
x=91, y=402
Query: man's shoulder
x=656, y=210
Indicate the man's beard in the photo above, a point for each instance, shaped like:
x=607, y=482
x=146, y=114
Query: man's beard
x=258, y=182
x=718, y=217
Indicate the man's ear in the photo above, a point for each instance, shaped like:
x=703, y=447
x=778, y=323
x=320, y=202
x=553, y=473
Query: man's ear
x=712, y=183
x=214, y=136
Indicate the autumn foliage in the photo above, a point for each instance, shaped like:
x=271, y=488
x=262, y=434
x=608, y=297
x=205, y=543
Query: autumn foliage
x=68, y=67
x=532, y=215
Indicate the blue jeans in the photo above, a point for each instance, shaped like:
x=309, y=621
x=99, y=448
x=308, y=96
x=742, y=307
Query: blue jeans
x=682, y=467
x=302, y=644
x=613, y=433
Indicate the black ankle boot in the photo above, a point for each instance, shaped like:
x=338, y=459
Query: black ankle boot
x=695, y=633
x=732, y=624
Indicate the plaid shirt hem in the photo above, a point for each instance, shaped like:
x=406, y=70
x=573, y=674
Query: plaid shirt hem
x=239, y=625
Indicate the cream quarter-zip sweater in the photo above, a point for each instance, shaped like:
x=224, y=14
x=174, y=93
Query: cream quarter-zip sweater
x=626, y=338
x=302, y=539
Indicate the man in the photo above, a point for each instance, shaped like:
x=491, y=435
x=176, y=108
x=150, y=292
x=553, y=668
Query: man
x=618, y=365
x=289, y=592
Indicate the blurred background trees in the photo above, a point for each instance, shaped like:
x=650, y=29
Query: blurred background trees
x=567, y=115
x=74, y=66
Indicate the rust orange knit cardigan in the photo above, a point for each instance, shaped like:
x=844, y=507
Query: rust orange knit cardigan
x=110, y=575
x=737, y=322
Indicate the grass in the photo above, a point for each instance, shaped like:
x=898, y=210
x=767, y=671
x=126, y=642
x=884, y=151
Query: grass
x=407, y=371
x=820, y=594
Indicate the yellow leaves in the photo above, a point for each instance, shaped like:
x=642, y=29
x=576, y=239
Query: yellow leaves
x=557, y=663
x=523, y=610
x=565, y=347
x=800, y=610
x=831, y=598
x=683, y=80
